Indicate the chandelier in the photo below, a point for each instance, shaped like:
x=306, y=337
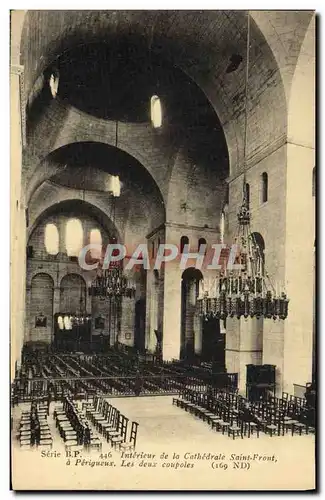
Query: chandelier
x=111, y=283
x=248, y=290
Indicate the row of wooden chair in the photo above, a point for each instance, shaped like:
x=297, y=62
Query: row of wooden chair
x=228, y=413
x=25, y=428
x=216, y=413
x=69, y=431
x=110, y=422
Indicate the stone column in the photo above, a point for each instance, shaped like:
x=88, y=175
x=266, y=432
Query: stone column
x=17, y=219
x=190, y=309
x=244, y=344
x=152, y=323
x=56, y=300
x=172, y=312
x=56, y=307
x=298, y=327
x=27, y=313
x=126, y=335
x=197, y=335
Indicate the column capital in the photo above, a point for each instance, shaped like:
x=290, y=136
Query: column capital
x=16, y=69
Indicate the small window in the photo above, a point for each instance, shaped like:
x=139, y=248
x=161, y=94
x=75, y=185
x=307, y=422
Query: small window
x=247, y=194
x=184, y=241
x=51, y=239
x=259, y=251
x=73, y=237
x=54, y=83
x=156, y=111
x=202, y=241
x=314, y=182
x=95, y=239
x=116, y=186
x=264, y=187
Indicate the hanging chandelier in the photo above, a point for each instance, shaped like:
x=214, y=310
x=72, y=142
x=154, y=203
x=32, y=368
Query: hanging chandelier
x=248, y=290
x=111, y=282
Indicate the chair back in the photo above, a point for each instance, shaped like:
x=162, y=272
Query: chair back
x=116, y=418
x=124, y=427
x=134, y=432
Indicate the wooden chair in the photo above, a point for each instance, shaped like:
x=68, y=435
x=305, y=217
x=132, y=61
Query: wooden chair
x=96, y=443
x=102, y=416
x=91, y=415
x=109, y=423
x=114, y=432
x=234, y=429
x=46, y=442
x=116, y=440
x=112, y=426
x=130, y=445
x=300, y=427
x=272, y=426
x=91, y=408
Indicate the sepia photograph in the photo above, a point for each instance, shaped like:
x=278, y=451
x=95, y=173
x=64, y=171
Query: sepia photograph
x=163, y=250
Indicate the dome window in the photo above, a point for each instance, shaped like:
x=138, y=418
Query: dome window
x=156, y=112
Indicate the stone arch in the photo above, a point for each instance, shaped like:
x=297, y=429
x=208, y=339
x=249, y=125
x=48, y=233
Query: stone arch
x=36, y=272
x=40, y=308
x=46, y=168
x=90, y=208
x=73, y=293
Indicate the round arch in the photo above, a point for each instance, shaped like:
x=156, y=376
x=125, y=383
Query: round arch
x=73, y=293
x=36, y=273
x=79, y=206
x=46, y=276
x=80, y=136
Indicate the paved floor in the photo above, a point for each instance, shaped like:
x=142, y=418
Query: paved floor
x=205, y=459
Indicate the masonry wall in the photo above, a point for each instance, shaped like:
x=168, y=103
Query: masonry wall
x=263, y=343
x=41, y=303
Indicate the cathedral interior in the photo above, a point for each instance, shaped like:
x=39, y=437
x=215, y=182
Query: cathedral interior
x=149, y=128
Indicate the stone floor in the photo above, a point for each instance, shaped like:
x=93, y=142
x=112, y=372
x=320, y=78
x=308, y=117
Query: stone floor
x=185, y=453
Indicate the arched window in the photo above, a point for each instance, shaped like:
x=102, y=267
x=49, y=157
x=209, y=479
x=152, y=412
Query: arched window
x=156, y=111
x=259, y=251
x=247, y=194
x=73, y=237
x=116, y=186
x=95, y=239
x=314, y=182
x=184, y=241
x=51, y=239
x=54, y=83
x=264, y=178
x=202, y=241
